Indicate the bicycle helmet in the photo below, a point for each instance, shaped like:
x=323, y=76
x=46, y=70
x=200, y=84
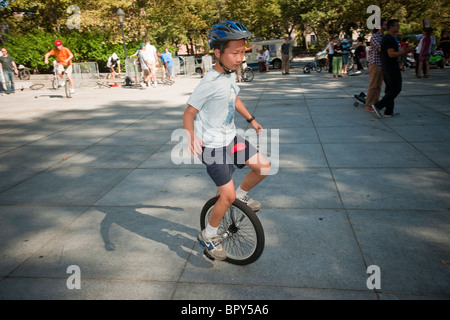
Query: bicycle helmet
x=58, y=42
x=225, y=31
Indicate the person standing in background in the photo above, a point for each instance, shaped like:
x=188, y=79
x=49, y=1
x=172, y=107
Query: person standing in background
x=9, y=68
x=330, y=49
x=285, y=48
x=375, y=71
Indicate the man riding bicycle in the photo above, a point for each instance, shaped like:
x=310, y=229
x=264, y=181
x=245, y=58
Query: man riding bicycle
x=64, y=57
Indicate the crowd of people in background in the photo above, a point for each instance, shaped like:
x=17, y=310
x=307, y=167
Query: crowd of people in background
x=338, y=53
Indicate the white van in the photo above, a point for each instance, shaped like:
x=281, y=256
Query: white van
x=274, y=50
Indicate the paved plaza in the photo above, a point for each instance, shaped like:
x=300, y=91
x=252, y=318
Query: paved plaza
x=94, y=183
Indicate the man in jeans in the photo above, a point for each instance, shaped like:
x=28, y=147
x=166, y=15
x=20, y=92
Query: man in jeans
x=9, y=68
x=390, y=52
x=375, y=72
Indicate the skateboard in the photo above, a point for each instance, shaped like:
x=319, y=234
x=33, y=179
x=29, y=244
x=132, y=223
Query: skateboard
x=360, y=99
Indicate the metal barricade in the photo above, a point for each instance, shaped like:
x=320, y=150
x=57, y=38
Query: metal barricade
x=206, y=63
x=160, y=73
x=84, y=74
x=132, y=70
x=189, y=63
x=178, y=67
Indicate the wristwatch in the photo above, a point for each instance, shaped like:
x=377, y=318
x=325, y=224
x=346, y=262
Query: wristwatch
x=251, y=119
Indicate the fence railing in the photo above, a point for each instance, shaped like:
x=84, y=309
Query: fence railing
x=85, y=73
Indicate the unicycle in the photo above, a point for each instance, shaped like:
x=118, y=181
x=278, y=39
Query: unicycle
x=56, y=84
x=67, y=87
x=241, y=231
x=248, y=75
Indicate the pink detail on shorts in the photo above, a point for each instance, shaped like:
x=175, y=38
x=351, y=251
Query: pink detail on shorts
x=239, y=147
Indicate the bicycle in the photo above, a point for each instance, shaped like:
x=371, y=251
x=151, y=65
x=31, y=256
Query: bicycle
x=312, y=66
x=248, y=74
x=324, y=63
x=241, y=231
x=166, y=82
x=24, y=73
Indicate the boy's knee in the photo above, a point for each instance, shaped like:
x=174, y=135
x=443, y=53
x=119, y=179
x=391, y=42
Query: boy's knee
x=228, y=197
x=263, y=169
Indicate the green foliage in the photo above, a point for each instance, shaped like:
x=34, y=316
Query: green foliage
x=176, y=22
x=30, y=49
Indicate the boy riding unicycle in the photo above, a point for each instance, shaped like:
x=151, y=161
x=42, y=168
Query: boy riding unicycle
x=209, y=124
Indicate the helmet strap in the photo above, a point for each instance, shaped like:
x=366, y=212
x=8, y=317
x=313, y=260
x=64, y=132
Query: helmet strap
x=227, y=70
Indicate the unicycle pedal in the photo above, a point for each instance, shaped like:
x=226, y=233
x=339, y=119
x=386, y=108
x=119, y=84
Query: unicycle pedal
x=210, y=257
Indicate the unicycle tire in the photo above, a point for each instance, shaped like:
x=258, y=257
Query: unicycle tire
x=248, y=75
x=241, y=231
x=67, y=88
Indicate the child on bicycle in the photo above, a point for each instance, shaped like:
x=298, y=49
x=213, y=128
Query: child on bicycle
x=64, y=57
x=209, y=124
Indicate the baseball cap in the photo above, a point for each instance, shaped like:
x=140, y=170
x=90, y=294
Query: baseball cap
x=58, y=42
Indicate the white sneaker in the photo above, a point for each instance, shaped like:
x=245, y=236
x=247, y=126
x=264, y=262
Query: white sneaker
x=213, y=246
x=253, y=204
x=62, y=84
x=72, y=91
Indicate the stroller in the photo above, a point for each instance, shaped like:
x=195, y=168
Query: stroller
x=437, y=59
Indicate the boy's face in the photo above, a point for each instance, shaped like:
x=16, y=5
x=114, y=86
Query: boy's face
x=231, y=58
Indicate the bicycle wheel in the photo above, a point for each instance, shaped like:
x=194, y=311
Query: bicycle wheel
x=318, y=69
x=36, y=86
x=306, y=69
x=67, y=88
x=248, y=74
x=24, y=74
x=241, y=231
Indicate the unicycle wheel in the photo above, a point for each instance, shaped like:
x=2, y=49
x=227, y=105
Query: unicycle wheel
x=241, y=231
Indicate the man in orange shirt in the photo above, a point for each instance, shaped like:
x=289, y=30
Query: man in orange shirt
x=64, y=57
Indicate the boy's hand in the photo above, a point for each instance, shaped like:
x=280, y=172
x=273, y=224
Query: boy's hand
x=258, y=128
x=194, y=145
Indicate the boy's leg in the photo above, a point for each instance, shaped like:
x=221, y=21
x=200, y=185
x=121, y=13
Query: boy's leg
x=208, y=237
x=260, y=169
x=226, y=199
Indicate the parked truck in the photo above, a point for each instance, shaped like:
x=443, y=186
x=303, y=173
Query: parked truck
x=274, y=47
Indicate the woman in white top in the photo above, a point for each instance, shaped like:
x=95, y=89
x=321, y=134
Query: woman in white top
x=330, y=49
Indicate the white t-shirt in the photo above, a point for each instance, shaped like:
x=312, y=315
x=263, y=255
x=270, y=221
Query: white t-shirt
x=151, y=52
x=215, y=98
x=330, y=48
x=144, y=56
x=267, y=55
x=111, y=62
